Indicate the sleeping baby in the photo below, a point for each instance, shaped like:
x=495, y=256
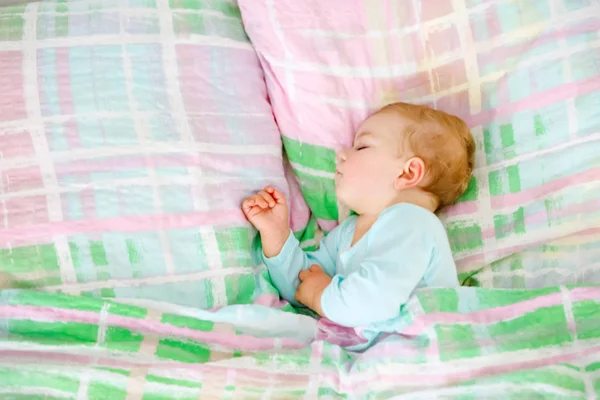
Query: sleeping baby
x=407, y=161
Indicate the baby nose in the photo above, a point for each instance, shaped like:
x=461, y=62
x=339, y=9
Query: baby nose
x=341, y=155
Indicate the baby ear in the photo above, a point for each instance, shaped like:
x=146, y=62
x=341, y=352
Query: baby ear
x=412, y=174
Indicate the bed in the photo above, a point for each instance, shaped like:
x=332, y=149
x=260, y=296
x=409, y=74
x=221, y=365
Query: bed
x=130, y=131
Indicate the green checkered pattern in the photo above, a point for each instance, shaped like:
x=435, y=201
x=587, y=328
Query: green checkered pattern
x=460, y=344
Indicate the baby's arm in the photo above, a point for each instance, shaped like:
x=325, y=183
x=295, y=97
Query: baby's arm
x=267, y=210
x=374, y=293
x=285, y=266
x=398, y=258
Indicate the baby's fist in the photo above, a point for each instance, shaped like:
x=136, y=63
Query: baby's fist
x=313, y=282
x=267, y=210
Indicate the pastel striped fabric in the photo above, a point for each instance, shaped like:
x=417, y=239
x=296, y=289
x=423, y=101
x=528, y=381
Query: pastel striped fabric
x=459, y=344
x=525, y=75
x=130, y=132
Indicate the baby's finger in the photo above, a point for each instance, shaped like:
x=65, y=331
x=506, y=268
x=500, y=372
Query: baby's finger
x=259, y=201
x=267, y=197
x=315, y=268
x=248, y=204
x=277, y=195
x=253, y=211
x=303, y=275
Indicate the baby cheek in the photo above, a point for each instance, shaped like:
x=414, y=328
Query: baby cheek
x=377, y=174
x=369, y=179
x=358, y=170
x=365, y=170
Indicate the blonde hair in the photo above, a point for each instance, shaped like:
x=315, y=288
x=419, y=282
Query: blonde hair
x=445, y=145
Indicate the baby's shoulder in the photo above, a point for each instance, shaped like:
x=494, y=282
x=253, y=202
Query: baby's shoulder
x=410, y=225
x=409, y=217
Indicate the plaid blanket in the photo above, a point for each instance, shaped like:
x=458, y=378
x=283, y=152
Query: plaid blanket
x=121, y=123
x=130, y=132
x=524, y=75
x=458, y=344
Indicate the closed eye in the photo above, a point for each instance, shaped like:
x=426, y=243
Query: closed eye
x=359, y=148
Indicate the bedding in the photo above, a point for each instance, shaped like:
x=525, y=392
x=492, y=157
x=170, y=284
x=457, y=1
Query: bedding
x=130, y=130
x=129, y=134
x=524, y=75
x=460, y=343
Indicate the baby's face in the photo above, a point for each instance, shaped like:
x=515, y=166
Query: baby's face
x=367, y=171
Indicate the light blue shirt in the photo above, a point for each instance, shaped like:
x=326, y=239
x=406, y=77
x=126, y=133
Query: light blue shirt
x=406, y=248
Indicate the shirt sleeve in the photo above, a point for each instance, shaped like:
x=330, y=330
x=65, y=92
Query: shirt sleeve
x=400, y=250
x=285, y=267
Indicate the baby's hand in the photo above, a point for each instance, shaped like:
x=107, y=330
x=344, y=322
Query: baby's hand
x=267, y=211
x=312, y=284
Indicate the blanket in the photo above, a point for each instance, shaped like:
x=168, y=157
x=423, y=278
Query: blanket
x=457, y=344
x=124, y=122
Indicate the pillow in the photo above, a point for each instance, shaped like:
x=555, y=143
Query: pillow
x=523, y=75
x=130, y=132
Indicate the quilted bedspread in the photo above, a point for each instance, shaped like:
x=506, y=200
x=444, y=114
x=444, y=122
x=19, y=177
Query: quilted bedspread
x=131, y=130
x=458, y=344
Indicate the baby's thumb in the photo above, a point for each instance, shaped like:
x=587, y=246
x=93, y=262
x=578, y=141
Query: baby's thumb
x=315, y=268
